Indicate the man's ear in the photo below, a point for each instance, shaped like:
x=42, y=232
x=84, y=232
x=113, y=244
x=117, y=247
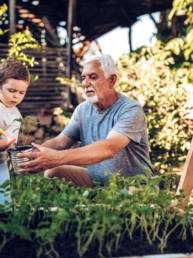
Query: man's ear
x=113, y=79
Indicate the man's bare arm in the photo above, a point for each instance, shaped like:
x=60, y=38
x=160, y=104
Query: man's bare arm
x=96, y=152
x=59, y=142
x=90, y=154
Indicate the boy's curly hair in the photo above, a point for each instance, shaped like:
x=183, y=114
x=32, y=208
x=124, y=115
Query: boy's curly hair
x=13, y=69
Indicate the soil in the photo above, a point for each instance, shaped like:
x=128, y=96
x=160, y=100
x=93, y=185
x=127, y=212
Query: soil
x=66, y=247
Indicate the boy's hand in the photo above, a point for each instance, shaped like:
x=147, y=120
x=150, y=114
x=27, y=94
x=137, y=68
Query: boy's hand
x=2, y=132
x=6, y=141
x=10, y=140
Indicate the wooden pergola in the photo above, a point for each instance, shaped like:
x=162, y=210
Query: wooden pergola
x=82, y=19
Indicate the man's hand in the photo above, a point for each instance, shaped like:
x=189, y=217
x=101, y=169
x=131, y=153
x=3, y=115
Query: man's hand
x=44, y=157
x=41, y=158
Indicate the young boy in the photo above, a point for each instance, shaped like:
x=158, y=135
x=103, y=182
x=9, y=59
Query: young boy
x=14, y=81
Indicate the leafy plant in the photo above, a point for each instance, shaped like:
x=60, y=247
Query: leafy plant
x=3, y=10
x=147, y=76
x=48, y=212
x=160, y=77
x=182, y=7
x=18, y=43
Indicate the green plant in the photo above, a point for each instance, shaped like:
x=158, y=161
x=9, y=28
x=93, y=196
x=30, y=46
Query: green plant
x=47, y=211
x=160, y=77
x=29, y=125
x=18, y=43
x=3, y=10
x=147, y=76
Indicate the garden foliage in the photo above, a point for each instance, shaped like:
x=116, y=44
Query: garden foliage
x=19, y=42
x=161, y=78
x=3, y=10
x=53, y=219
x=60, y=220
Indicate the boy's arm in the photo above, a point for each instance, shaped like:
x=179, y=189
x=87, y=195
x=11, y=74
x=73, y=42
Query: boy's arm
x=6, y=141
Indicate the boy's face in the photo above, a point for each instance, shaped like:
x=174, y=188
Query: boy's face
x=12, y=92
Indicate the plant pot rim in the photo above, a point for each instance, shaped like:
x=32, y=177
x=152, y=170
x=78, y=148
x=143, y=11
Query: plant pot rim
x=20, y=148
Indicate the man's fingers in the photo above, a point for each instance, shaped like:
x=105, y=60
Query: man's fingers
x=34, y=155
x=24, y=155
x=27, y=164
x=30, y=154
x=28, y=170
x=32, y=165
x=37, y=146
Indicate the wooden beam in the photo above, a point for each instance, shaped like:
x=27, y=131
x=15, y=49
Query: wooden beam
x=71, y=5
x=130, y=39
x=51, y=30
x=186, y=180
x=11, y=17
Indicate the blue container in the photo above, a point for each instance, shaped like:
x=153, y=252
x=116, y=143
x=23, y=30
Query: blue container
x=5, y=192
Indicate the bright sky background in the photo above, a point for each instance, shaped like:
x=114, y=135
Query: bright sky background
x=115, y=42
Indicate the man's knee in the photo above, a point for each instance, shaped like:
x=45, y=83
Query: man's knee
x=77, y=175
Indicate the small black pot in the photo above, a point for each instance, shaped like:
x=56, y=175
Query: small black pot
x=17, y=160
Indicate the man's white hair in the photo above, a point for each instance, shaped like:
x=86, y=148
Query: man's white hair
x=106, y=62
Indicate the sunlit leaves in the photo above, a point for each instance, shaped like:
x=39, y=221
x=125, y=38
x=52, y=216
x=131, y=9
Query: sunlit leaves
x=161, y=78
x=158, y=79
x=3, y=10
x=18, y=43
x=183, y=7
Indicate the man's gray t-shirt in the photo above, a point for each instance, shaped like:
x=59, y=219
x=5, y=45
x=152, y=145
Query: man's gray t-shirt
x=125, y=116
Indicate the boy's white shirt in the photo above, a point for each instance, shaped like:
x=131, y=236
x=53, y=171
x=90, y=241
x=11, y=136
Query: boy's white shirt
x=9, y=120
x=10, y=124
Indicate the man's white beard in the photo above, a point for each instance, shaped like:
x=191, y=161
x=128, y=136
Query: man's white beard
x=92, y=99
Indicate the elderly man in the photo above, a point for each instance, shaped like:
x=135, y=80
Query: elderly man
x=110, y=126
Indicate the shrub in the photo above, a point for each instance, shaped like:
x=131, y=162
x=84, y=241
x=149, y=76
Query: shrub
x=161, y=79
x=147, y=76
